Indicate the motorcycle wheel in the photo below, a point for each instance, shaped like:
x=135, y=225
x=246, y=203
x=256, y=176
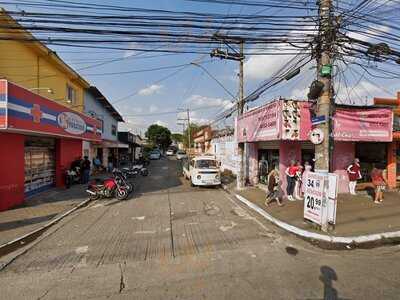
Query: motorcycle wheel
x=145, y=173
x=94, y=197
x=122, y=194
x=130, y=187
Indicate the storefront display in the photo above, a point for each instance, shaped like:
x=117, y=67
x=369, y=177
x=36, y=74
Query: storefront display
x=40, y=139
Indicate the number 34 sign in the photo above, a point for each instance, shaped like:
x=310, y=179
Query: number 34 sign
x=314, y=197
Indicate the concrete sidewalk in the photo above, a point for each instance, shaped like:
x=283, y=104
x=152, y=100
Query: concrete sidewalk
x=357, y=216
x=38, y=211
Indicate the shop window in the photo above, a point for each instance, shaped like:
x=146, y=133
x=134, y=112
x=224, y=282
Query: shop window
x=114, y=130
x=71, y=94
x=371, y=154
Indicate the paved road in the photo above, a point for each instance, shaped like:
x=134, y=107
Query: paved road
x=171, y=241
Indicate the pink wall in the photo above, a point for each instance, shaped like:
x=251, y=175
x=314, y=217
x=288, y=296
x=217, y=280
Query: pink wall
x=252, y=155
x=12, y=175
x=67, y=150
x=288, y=151
x=343, y=155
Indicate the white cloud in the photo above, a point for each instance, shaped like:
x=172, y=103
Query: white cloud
x=377, y=30
x=150, y=90
x=361, y=94
x=161, y=123
x=129, y=53
x=198, y=101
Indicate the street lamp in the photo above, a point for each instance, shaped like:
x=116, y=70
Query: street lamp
x=49, y=90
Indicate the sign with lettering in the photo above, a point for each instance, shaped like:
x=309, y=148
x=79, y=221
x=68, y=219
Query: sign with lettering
x=314, y=197
x=71, y=123
x=370, y=125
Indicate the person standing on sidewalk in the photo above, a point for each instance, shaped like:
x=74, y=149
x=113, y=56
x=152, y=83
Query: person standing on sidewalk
x=354, y=171
x=85, y=170
x=291, y=172
x=379, y=181
x=274, y=189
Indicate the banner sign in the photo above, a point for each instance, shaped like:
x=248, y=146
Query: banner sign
x=260, y=124
x=314, y=196
x=369, y=125
x=22, y=110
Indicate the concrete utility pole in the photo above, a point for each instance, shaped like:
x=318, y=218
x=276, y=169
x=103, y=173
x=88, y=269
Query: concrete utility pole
x=240, y=183
x=189, y=133
x=237, y=56
x=323, y=151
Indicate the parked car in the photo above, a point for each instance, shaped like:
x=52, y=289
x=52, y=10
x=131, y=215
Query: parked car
x=170, y=152
x=181, y=154
x=202, y=171
x=155, y=154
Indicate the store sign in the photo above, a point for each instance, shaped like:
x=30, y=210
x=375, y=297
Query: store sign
x=314, y=197
x=370, y=125
x=260, y=124
x=71, y=123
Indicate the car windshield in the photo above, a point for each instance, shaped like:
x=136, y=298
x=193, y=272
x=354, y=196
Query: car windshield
x=206, y=164
x=154, y=152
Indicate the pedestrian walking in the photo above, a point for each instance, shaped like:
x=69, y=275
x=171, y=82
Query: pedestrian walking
x=379, y=181
x=85, y=170
x=274, y=188
x=354, y=172
x=298, y=182
x=291, y=172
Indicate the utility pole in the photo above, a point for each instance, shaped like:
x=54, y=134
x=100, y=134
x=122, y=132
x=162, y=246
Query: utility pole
x=240, y=183
x=189, y=133
x=327, y=32
x=236, y=56
x=187, y=119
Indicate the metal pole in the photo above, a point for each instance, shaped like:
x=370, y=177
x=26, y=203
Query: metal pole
x=188, y=119
x=323, y=151
x=240, y=183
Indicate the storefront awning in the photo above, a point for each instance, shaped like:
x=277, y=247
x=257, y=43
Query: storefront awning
x=113, y=144
x=28, y=113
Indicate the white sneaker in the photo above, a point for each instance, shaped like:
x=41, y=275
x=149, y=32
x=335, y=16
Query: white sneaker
x=290, y=198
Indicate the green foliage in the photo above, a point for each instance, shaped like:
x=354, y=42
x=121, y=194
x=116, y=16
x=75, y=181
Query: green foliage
x=193, y=128
x=159, y=136
x=177, y=137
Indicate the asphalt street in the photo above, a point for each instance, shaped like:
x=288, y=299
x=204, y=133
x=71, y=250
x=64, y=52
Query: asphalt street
x=172, y=241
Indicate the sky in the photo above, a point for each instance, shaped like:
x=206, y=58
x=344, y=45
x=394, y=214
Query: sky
x=145, y=98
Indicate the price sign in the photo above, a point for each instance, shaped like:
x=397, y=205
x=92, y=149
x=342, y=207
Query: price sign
x=314, y=197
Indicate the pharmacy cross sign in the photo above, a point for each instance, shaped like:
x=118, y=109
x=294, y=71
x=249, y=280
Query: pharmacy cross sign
x=36, y=113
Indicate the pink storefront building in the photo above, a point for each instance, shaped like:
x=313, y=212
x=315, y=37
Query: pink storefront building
x=279, y=132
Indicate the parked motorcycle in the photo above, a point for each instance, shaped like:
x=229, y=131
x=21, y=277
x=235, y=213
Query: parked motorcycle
x=108, y=188
x=122, y=179
x=141, y=169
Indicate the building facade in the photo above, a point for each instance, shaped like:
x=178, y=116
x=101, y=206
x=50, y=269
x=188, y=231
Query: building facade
x=279, y=132
x=37, y=68
x=39, y=140
x=97, y=106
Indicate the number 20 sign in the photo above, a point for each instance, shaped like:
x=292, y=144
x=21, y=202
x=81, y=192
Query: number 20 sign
x=313, y=197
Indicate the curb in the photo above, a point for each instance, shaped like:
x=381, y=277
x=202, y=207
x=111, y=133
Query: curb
x=24, y=240
x=326, y=241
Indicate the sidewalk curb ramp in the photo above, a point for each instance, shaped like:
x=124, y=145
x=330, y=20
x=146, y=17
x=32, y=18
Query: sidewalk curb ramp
x=324, y=241
x=12, y=249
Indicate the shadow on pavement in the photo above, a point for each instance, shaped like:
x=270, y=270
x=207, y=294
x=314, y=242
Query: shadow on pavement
x=24, y=222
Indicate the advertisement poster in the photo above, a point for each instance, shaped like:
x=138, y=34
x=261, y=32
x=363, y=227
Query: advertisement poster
x=313, y=197
x=260, y=124
x=369, y=125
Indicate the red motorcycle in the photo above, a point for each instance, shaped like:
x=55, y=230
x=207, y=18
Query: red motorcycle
x=108, y=188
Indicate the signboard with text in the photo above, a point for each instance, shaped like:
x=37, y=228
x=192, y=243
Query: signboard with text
x=314, y=197
x=370, y=125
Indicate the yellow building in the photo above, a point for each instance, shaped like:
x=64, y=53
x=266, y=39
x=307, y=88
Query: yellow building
x=34, y=66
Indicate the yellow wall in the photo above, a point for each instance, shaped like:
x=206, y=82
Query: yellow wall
x=29, y=66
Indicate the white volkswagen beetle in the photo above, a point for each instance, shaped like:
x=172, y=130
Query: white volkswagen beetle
x=202, y=171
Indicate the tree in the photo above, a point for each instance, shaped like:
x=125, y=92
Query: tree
x=159, y=136
x=193, y=128
x=177, y=137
